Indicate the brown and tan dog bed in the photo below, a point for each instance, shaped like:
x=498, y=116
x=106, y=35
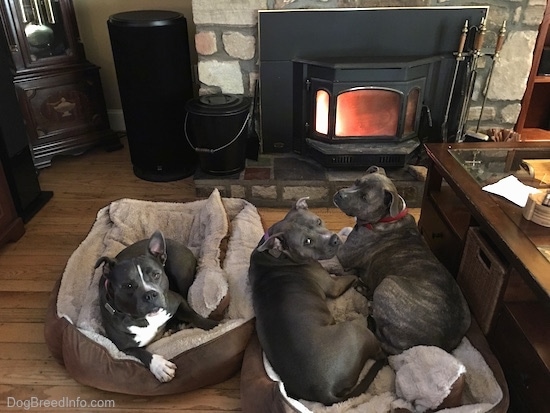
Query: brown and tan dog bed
x=210, y=228
x=469, y=380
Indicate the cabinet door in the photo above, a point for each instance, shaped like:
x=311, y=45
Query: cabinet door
x=41, y=33
x=445, y=245
x=62, y=105
x=521, y=341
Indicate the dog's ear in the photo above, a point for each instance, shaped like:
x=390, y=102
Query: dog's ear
x=273, y=244
x=376, y=170
x=108, y=264
x=396, y=203
x=157, y=246
x=301, y=203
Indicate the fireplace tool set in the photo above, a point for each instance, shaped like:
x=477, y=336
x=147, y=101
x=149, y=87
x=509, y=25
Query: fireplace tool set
x=459, y=58
x=470, y=74
x=495, y=57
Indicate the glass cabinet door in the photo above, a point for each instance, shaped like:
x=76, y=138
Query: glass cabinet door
x=44, y=32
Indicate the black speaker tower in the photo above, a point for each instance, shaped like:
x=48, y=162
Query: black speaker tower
x=152, y=62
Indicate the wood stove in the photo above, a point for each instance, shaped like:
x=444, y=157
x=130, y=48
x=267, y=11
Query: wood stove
x=382, y=67
x=355, y=102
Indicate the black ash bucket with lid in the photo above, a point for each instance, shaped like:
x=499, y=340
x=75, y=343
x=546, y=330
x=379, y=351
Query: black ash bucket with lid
x=216, y=128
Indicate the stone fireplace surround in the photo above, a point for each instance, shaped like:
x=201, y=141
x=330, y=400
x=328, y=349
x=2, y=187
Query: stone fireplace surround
x=228, y=55
x=226, y=44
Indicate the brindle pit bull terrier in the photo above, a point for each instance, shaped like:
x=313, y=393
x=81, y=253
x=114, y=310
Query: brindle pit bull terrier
x=141, y=290
x=316, y=358
x=415, y=300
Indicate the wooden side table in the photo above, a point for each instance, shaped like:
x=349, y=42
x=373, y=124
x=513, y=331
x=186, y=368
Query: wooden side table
x=454, y=202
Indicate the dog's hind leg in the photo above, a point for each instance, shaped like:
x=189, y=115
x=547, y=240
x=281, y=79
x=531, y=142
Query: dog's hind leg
x=186, y=314
x=396, y=315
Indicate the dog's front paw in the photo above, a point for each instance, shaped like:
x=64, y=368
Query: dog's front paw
x=344, y=232
x=361, y=288
x=164, y=370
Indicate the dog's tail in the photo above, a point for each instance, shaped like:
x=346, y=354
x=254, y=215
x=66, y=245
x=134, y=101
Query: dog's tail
x=365, y=383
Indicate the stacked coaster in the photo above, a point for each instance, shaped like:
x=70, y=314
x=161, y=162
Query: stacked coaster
x=535, y=209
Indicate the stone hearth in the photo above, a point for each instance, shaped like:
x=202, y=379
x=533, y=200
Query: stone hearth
x=276, y=180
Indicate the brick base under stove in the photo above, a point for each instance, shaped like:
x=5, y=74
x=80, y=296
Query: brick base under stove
x=278, y=180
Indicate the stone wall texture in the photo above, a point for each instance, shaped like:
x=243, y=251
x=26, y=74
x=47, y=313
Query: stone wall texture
x=227, y=47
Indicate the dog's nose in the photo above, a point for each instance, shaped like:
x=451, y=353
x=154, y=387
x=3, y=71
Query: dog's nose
x=339, y=196
x=150, y=295
x=335, y=240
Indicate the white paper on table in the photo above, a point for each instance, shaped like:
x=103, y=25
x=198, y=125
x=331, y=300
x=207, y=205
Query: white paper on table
x=512, y=189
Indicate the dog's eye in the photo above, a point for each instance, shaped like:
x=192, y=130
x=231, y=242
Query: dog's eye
x=128, y=286
x=319, y=221
x=156, y=275
x=307, y=241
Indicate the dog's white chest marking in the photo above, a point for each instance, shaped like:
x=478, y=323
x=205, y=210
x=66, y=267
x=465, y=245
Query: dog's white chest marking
x=144, y=335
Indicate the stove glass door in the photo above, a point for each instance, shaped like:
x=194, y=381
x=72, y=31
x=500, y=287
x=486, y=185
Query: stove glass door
x=367, y=112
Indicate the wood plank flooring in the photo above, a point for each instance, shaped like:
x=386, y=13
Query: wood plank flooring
x=29, y=268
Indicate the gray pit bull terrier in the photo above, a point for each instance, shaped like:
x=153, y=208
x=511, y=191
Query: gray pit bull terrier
x=316, y=358
x=141, y=289
x=415, y=300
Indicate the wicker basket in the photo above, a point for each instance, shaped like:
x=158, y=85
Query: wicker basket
x=482, y=277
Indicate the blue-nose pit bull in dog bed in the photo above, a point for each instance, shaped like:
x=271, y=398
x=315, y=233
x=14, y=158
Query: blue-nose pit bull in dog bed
x=423, y=378
x=221, y=233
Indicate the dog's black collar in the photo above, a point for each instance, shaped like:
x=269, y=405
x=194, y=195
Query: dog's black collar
x=112, y=310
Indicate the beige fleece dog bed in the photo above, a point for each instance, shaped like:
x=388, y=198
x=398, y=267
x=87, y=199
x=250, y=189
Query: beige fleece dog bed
x=210, y=228
x=420, y=379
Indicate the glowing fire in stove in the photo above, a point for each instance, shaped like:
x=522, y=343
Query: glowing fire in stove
x=365, y=112
x=321, y=114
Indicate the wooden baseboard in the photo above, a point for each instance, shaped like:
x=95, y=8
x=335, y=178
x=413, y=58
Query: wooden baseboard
x=116, y=120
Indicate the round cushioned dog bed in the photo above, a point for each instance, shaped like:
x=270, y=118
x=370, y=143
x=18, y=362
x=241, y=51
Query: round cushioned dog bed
x=470, y=380
x=221, y=232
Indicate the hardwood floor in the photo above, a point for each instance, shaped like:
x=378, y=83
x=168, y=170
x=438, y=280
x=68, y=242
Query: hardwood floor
x=29, y=268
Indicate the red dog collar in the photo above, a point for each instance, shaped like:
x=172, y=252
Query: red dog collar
x=387, y=219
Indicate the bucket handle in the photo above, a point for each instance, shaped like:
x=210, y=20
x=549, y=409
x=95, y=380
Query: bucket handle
x=206, y=150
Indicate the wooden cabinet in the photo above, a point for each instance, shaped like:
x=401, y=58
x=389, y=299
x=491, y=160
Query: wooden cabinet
x=64, y=112
x=11, y=225
x=521, y=341
x=505, y=279
x=59, y=91
x=534, y=119
x=444, y=221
